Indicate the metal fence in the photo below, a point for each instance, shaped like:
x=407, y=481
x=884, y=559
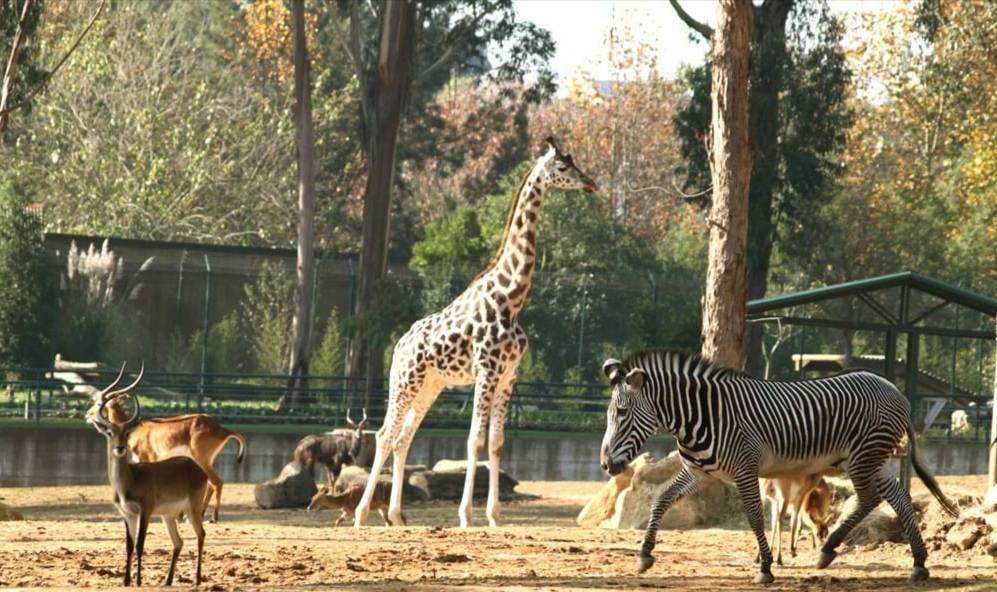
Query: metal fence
x=33, y=394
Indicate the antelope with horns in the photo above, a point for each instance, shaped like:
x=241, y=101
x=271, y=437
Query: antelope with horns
x=195, y=435
x=333, y=451
x=164, y=488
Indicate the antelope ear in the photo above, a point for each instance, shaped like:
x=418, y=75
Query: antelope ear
x=635, y=378
x=611, y=368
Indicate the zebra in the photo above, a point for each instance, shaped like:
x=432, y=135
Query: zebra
x=739, y=428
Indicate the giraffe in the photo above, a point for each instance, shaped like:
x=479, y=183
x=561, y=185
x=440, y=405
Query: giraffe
x=476, y=339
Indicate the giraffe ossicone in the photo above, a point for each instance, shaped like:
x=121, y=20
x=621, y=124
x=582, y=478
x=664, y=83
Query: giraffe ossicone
x=476, y=339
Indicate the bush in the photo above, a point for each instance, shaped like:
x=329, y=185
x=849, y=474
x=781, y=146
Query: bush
x=27, y=289
x=267, y=313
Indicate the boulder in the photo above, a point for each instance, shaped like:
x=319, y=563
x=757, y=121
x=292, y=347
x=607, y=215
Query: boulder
x=603, y=504
x=446, y=481
x=9, y=514
x=415, y=489
x=715, y=503
x=293, y=488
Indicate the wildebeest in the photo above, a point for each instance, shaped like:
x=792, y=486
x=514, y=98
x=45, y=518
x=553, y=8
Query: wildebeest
x=333, y=451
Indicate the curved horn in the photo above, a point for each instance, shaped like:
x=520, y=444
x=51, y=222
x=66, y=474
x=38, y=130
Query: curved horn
x=102, y=394
x=134, y=418
x=363, y=421
x=141, y=373
x=349, y=421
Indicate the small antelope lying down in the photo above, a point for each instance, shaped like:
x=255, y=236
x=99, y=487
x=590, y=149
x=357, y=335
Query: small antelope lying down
x=807, y=499
x=142, y=490
x=348, y=500
x=195, y=435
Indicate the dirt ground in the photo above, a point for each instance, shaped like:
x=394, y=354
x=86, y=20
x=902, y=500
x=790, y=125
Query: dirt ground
x=71, y=537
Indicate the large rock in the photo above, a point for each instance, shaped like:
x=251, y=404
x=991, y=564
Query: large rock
x=446, y=481
x=7, y=513
x=715, y=503
x=293, y=488
x=603, y=504
x=415, y=489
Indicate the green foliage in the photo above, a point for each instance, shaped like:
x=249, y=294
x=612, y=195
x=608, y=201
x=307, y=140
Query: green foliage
x=453, y=250
x=29, y=70
x=27, y=292
x=267, y=311
x=328, y=357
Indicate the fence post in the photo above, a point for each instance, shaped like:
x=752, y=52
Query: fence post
x=204, y=332
x=38, y=396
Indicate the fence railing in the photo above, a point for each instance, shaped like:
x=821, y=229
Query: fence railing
x=34, y=394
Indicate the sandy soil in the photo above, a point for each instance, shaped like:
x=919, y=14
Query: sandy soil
x=72, y=538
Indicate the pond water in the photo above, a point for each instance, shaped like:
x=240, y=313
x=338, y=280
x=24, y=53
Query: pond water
x=58, y=456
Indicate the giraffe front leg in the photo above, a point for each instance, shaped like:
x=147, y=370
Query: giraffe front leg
x=496, y=438
x=483, y=389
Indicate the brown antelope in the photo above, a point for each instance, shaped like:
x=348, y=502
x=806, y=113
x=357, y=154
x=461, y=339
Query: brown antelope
x=807, y=499
x=195, y=435
x=164, y=488
x=348, y=500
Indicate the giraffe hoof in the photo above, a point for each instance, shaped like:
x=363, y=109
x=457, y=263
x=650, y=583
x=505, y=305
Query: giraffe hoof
x=764, y=577
x=919, y=574
x=826, y=557
x=644, y=563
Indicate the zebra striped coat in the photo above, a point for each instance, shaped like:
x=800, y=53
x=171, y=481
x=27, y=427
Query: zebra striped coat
x=731, y=425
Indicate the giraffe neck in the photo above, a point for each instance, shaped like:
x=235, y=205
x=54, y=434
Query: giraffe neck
x=516, y=259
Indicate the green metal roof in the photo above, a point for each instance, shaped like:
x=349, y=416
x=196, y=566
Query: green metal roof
x=955, y=294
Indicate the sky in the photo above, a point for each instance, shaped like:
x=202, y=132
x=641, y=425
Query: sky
x=579, y=28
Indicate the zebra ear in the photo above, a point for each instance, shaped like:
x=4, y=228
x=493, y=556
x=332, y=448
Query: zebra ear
x=611, y=368
x=635, y=378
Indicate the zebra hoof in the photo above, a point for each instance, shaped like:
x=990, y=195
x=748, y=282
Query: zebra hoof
x=826, y=557
x=764, y=578
x=644, y=563
x=919, y=574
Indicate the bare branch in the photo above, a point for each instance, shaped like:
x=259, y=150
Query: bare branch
x=689, y=196
x=702, y=28
x=5, y=112
x=444, y=59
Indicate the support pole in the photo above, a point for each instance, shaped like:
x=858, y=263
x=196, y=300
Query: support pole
x=991, y=496
x=910, y=382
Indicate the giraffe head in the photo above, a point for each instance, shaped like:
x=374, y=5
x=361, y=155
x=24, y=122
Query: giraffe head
x=560, y=171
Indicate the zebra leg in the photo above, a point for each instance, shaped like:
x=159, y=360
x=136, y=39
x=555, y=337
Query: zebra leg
x=899, y=498
x=684, y=483
x=747, y=487
x=865, y=489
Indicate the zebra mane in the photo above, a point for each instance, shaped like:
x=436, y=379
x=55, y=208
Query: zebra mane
x=695, y=360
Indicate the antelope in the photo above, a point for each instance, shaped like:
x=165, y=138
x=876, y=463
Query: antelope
x=195, y=435
x=348, y=500
x=142, y=490
x=334, y=451
x=807, y=499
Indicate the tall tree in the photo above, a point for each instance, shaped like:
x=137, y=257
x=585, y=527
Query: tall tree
x=404, y=50
x=730, y=164
x=301, y=327
x=799, y=117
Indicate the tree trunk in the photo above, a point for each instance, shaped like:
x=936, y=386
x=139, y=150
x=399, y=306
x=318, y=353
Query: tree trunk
x=730, y=164
x=768, y=60
x=10, y=71
x=302, y=325
x=385, y=93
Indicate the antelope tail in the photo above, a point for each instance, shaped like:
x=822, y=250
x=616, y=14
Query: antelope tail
x=242, y=445
x=927, y=478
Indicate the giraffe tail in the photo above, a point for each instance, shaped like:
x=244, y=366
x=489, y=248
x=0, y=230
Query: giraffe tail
x=927, y=478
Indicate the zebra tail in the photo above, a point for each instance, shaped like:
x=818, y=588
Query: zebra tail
x=927, y=478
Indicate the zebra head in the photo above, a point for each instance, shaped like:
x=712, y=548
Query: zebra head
x=630, y=417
